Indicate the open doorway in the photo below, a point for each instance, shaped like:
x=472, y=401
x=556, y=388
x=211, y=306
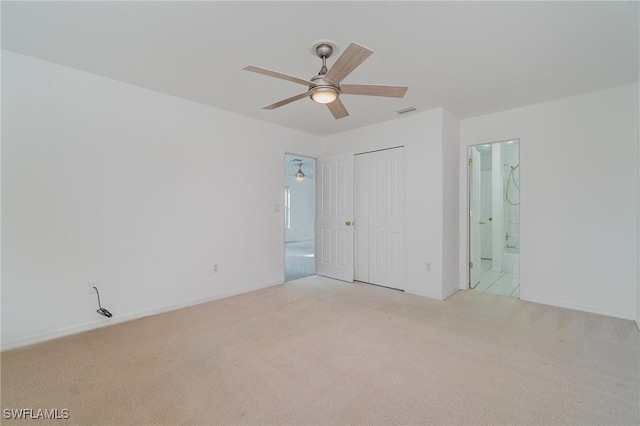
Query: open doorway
x=494, y=218
x=299, y=216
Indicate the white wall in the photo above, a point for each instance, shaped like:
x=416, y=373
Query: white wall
x=104, y=181
x=422, y=136
x=140, y=191
x=579, y=206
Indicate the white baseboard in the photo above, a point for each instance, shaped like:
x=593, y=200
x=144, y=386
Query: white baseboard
x=55, y=334
x=450, y=292
x=424, y=294
x=579, y=307
x=574, y=306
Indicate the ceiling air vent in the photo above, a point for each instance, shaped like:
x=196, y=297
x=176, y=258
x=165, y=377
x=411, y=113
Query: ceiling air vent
x=406, y=110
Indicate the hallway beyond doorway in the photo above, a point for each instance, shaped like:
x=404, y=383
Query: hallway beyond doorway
x=299, y=260
x=299, y=216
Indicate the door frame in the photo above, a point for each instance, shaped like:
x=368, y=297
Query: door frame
x=465, y=205
x=472, y=175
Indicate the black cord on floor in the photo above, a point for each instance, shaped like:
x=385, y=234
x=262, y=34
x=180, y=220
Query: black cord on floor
x=102, y=311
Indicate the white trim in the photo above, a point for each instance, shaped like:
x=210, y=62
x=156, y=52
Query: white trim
x=42, y=337
x=450, y=292
x=580, y=307
x=425, y=294
x=522, y=274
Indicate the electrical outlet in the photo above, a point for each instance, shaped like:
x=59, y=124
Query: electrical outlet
x=90, y=287
x=215, y=268
x=428, y=267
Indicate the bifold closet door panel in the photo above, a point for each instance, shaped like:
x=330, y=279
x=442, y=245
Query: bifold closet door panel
x=334, y=214
x=380, y=218
x=361, y=217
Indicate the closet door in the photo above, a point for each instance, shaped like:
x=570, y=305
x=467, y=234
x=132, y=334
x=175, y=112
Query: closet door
x=386, y=219
x=379, y=221
x=334, y=214
x=361, y=218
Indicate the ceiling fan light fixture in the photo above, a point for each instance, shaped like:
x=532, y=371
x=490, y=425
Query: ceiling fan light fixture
x=323, y=94
x=325, y=87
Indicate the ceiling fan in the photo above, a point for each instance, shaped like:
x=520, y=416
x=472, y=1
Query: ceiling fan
x=299, y=175
x=325, y=88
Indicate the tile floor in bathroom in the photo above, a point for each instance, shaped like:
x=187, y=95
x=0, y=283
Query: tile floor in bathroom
x=502, y=283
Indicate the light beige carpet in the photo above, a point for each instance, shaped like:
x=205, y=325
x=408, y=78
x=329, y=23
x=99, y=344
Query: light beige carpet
x=317, y=351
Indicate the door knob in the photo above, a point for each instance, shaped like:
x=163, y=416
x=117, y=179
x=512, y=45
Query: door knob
x=481, y=222
x=348, y=223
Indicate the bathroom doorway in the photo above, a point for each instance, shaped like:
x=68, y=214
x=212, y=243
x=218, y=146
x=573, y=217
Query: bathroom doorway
x=299, y=216
x=494, y=218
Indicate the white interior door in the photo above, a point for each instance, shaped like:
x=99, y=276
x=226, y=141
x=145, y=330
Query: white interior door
x=475, y=243
x=361, y=225
x=486, y=214
x=334, y=212
x=386, y=219
x=379, y=220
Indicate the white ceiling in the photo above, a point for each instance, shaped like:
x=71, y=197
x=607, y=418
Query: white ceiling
x=472, y=58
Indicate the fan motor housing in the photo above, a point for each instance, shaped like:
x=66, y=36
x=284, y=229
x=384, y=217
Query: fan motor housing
x=320, y=84
x=319, y=81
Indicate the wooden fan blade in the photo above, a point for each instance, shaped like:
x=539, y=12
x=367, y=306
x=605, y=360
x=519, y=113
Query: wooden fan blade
x=277, y=74
x=337, y=109
x=353, y=56
x=373, y=90
x=286, y=101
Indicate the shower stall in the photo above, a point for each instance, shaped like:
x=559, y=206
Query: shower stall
x=510, y=177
